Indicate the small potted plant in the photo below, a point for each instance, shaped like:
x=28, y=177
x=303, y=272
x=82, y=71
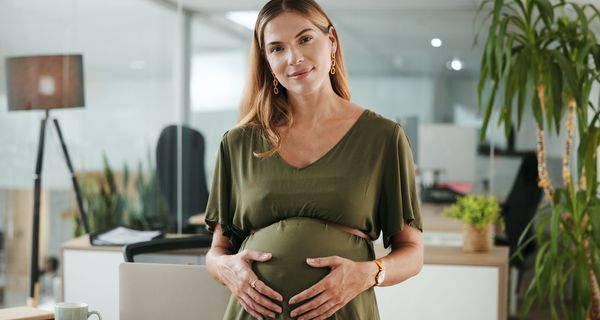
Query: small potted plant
x=478, y=214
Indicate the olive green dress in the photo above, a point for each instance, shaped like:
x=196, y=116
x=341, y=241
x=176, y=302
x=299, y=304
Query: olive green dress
x=366, y=181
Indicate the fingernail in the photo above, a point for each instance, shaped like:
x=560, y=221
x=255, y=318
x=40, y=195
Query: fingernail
x=265, y=255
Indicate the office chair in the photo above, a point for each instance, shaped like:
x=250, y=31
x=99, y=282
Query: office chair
x=520, y=206
x=517, y=211
x=194, y=191
x=166, y=244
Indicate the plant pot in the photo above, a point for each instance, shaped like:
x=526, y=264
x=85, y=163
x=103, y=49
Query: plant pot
x=478, y=239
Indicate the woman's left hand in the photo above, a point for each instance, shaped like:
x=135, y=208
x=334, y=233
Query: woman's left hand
x=346, y=280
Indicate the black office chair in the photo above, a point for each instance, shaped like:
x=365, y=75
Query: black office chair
x=520, y=207
x=517, y=211
x=194, y=191
x=166, y=244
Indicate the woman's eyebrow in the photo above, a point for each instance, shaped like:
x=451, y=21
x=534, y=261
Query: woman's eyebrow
x=299, y=34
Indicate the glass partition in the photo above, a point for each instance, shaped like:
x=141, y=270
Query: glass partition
x=128, y=61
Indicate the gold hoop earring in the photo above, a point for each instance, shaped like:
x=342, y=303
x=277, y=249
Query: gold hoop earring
x=332, y=70
x=275, y=84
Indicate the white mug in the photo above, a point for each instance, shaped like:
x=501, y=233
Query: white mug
x=73, y=311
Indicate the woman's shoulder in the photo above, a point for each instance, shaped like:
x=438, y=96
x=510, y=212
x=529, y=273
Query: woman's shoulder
x=240, y=134
x=378, y=124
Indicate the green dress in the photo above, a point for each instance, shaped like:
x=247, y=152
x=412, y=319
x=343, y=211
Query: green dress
x=366, y=181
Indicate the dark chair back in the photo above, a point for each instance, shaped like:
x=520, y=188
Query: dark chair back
x=521, y=204
x=194, y=192
x=166, y=244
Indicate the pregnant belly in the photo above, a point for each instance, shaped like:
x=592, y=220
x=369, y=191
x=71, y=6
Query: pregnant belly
x=291, y=241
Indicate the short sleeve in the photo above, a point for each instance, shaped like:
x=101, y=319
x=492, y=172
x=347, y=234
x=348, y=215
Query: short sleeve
x=218, y=208
x=398, y=201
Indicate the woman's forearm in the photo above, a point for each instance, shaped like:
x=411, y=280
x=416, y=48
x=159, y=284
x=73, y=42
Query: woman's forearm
x=403, y=262
x=220, y=247
x=212, y=257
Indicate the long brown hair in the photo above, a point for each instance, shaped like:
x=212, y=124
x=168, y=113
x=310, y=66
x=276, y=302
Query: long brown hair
x=260, y=107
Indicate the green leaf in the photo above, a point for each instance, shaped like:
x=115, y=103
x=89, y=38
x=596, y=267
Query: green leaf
x=497, y=10
x=569, y=73
x=549, y=107
x=489, y=53
x=591, y=166
x=482, y=81
x=508, y=49
x=499, y=47
x=596, y=56
x=582, y=150
x=582, y=19
x=546, y=11
x=584, y=53
x=589, y=143
x=555, y=228
x=556, y=85
x=488, y=111
x=509, y=93
x=477, y=14
x=522, y=85
x=594, y=218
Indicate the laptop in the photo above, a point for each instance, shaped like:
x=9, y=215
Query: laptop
x=169, y=291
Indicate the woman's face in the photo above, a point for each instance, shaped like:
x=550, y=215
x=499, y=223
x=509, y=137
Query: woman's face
x=298, y=53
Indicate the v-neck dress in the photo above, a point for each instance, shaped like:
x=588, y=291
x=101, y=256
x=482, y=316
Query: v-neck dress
x=366, y=181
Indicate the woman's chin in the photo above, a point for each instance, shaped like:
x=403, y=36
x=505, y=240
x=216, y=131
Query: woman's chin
x=303, y=90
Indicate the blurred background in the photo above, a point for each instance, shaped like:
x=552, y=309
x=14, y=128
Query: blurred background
x=149, y=64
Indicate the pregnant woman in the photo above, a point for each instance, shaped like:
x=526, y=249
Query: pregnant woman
x=306, y=182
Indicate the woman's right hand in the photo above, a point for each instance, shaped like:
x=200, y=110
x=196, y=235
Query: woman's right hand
x=236, y=273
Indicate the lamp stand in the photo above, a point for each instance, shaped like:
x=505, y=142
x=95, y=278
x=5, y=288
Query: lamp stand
x=34, y=267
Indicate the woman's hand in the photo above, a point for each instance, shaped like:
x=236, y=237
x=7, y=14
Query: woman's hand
x=346, y=280
x=236, y=273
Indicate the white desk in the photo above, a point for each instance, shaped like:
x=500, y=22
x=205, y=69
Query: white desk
x=91, y=273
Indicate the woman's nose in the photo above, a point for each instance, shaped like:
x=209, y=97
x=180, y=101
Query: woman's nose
x=295, y=56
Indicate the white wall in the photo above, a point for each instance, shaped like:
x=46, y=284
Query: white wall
x=395, y=97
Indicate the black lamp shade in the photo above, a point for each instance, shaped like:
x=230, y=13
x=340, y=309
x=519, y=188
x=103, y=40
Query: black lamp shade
x=44, y=82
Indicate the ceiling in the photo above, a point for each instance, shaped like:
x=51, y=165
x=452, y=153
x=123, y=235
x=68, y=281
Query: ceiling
x=136, y=38
x=380, y=37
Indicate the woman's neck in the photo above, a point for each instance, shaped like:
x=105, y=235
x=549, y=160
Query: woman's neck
x=312, y=109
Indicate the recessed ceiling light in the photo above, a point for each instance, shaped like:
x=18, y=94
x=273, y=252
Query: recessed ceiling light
x=246, y=19
x=436, y=42
x=455, y=64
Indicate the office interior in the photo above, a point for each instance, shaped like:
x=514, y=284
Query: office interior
x=151, y=64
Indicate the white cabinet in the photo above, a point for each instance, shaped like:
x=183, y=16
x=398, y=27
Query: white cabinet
x=452, y=285
x=443, y=292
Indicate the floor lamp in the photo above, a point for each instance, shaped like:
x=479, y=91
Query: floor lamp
x=44, y=83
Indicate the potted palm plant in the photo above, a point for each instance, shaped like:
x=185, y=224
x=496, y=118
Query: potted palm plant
x=478, y=214
x=117, y=198
x=545, y=57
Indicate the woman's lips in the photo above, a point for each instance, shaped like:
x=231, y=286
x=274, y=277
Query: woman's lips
x=301, y=74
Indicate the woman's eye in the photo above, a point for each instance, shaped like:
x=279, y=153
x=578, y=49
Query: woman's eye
x=276, y=49
x=305, y=39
